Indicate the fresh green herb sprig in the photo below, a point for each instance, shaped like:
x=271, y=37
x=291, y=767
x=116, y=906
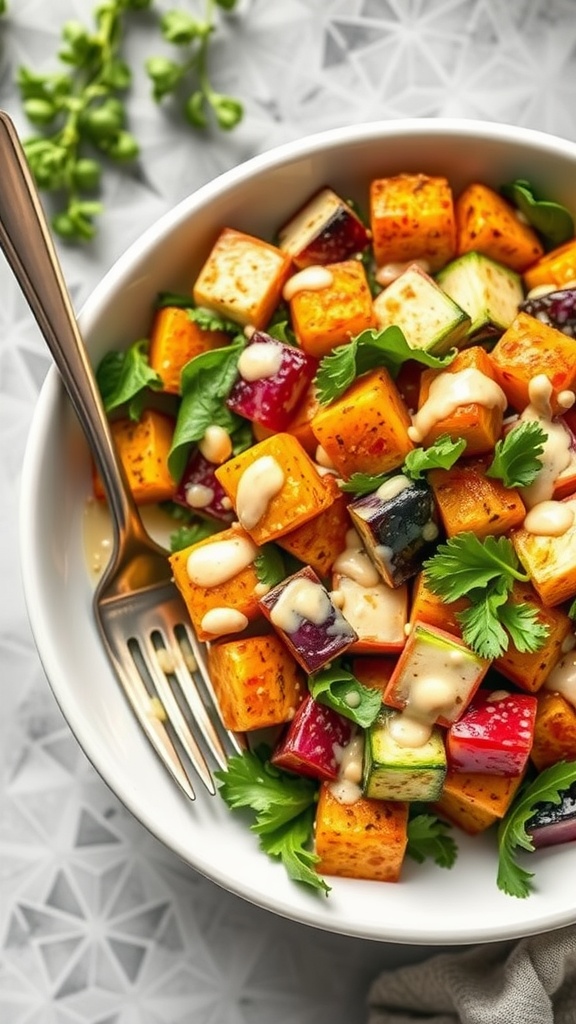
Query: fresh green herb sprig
x=284, y=807
x=190, y=75
x=484, y=571
x=547, y=787
x=428, y=836
x=80, y=111
x=367, y=351
x=517, y=456
x=340, y=690
x=440, y=455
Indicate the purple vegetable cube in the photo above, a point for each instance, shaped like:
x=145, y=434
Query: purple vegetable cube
x=556, y=309
x=311, y=742
x=200, y=491
x=554, y=823
x=272, y=379
x=312, y=627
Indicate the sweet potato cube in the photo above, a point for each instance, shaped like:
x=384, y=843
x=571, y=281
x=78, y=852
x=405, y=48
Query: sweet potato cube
x=304, y=615
x=365, y=839
x=436, y=673
x=366, y=429
x=325, y=230
x=377, y=613
x=549, y=561
x=467, y=499
x=554, y=730
x=309, y=744
x=529, y=348
x=242, y=278
x=256, y=681
x=474, y=801
x=143, y=448
x=175, y=340
x=302, y=493
x=412, y=218
x=319, y=541
x=479, y=423
x=557, y=267
x=216, y=577
x=428, y=607
x=300, y=424
x=323, y=318
x=488, y=224
x=494, y=735
x=529, y=670
x=373, y=670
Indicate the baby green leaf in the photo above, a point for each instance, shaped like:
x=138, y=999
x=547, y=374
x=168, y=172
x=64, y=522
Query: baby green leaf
x=191, y=533
x=123, y=378
x=517, y=456
x=363, y=483
x=269, y=565
x=550, y=219
x=440, y=455
x=341, y=691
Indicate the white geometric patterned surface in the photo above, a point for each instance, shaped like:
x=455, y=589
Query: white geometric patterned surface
x=98, y=922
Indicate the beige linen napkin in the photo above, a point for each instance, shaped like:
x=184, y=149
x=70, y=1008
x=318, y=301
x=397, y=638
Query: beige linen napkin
x=530, y=982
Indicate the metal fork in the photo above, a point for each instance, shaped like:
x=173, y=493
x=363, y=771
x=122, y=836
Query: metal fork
x=141, y=616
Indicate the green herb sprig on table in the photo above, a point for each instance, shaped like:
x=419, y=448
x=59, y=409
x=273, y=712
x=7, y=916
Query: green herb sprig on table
x=190, y=75
x=80, y=110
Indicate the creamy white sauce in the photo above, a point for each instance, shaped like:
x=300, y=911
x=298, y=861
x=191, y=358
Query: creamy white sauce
x=259, y=361
x=409, y=730
x=220, y=560
x=220, y=621
x=322, y=458
x=216, y=445
x=557, y=452
x=98, y=533
x=549, y=519
x=448, y=392
x=562, y=678
x=258, y=484
x=376, y=613
x=346, y=788
x=311, y=279
x=198, y=495
x=393, y=487
x=301, y=599
x=388, y=273
x=354, y=562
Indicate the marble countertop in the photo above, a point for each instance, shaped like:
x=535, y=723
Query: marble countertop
x=98, y=922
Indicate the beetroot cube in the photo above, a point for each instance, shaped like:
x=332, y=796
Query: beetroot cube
x=200, y=491
x=272, y=379
x=312, y=627
x=310, y=744
x=494, y=735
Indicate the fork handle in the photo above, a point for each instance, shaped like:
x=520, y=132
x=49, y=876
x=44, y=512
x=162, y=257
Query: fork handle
x=27, y=244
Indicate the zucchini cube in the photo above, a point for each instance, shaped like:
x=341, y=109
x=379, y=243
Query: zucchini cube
x=305, y=617
x=549, y=561
x=488, y=291
x=398, y=525
x=429, y=318
x=395, y=772
x=436, y=675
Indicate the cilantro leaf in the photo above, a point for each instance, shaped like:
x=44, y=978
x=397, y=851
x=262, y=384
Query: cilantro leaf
x=289, y=843
x=124, y=377
x=465, y=563
x=269, y=565
x=548, y=787
x=340, y=690
x=517, y=459
x=205, y=383
x=191, y=533
x=440, y=455
x=207, y=319
x=428, y=837
x=572, y=610
x=367, y=351
x=551, y=219
x=481, y=627
x=283, y=805
x=521, y=621
x=363, y=483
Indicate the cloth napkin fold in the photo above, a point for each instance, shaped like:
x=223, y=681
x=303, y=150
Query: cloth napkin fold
x=532, y=981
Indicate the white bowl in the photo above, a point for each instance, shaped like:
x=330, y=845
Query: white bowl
x=429, y=905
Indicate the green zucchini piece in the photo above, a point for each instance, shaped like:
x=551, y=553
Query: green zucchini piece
x=428, y=317
x=489, y=292
x=395, y=772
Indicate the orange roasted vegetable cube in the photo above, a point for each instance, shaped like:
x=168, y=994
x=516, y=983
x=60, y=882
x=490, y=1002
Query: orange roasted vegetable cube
x=557, y=267
x=256, y=681
x=554, y=730
x=378, y=613
x=373, y=670
x=216, y=577
x=319, y=541
x=550, y=561
x=175, y=340
x=479, y=423
x=474, y=801
x=467, y=499
x=412, y=218
x=242, y=278
x=325, y=317
x=529, y=670
x=143, y=448
x=364, y=839
x=366, y=429
x=529, y=348
x=428, y=607
x=488, y=224
x=274, y=487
